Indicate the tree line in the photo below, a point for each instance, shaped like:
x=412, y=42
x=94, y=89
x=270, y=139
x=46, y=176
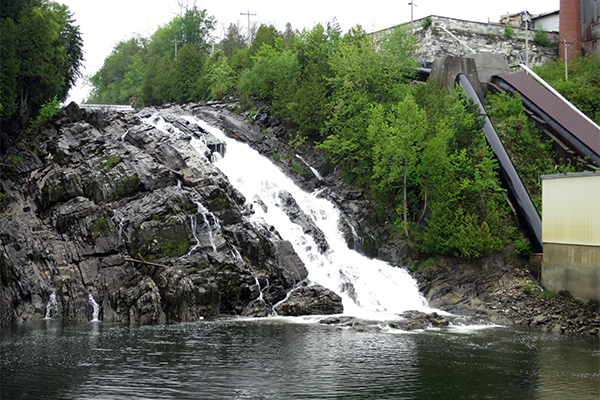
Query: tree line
x=418, y=150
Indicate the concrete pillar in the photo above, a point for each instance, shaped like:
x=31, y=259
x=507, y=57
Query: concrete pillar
x=445, y=69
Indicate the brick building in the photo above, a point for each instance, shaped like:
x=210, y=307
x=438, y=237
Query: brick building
x=579, y=27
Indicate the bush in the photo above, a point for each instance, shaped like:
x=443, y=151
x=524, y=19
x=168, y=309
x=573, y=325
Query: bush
x=426, y=23
x=509, y=31
x=541, y=37
x=49, y=110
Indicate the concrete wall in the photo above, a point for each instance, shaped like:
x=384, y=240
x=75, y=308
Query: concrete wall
x=571, y=234
x=467, y=37
x=573, y=268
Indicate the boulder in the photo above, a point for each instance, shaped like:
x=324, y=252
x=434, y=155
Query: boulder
x=311, y=300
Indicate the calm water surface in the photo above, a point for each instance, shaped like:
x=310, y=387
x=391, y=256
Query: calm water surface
x=292, y=359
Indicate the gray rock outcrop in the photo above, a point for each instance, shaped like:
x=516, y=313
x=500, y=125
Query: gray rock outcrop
x=310, y=300
x=111, y=206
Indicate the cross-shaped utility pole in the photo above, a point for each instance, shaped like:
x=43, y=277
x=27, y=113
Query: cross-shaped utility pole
x=566, y=44
x=175, y=41
x=249, y=37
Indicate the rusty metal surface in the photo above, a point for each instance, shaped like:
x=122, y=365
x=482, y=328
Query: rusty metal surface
x=590, y=20
x=555, y=108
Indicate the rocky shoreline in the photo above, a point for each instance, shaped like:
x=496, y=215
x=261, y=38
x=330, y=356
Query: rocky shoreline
x=102, y=206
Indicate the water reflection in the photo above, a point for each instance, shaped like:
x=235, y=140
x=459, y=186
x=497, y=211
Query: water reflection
x=284, y=359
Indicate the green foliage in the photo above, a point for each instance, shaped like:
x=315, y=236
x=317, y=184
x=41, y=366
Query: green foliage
x=265, y=35
x=509, y=31
x=158, y=86
x=523, y=247
x=529, y=150
x=221, y=80
x=233, y=41
x=188, y=73
x=47, y=113
x=272, y=69
x=128, y=187
x=3, y=202
x=541, y=37
x=111, y=162
x=426, y=23
x=145, y=70
x=583, y=87
x=101, y=227
x=120, y=78
x=41, y=56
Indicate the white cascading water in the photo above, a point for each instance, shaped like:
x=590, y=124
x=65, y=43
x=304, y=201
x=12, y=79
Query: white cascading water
x=369, y=288
x=96, y=307
x=52, y=309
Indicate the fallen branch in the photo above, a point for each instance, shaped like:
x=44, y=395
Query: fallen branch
x=145, y=262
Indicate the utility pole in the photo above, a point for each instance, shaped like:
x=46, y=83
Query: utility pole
x=249, y=37
x=412, y=4
x=566, y=44
x=175, y=42
x=527, y=18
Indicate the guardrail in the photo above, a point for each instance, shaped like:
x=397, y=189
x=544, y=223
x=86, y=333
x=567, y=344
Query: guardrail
x=106, y=107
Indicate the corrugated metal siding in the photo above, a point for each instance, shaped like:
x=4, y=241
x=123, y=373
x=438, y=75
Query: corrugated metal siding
x=571, y=209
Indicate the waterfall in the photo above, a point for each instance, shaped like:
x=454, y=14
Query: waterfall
x=206, y=215
x=314, y=170
x=52, y=309
x=369, y=288
x=121, y=222
x=96, y=307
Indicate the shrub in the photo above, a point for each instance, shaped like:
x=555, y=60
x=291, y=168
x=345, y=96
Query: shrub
x=426, y=23
x=49, y=110
x=541, y=37
x=509, y=31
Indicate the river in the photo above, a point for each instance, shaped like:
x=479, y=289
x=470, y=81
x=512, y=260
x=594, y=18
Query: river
x=292, y=358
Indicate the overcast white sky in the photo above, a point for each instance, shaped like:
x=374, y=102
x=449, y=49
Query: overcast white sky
x=104, y=23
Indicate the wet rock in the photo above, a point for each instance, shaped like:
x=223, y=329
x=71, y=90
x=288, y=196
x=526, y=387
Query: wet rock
x=416, y=320
x=311, y=300
x=139, y=218
x=499, y=289
x=297, y=216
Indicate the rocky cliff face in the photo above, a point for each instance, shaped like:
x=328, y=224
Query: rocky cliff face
x=111, y=206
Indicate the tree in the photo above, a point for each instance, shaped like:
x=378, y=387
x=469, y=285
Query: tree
x=289, y=36
x=193, y=28
x=266, y=34
x=121, y=76
x=397, y=152
x=233, y=41
x=41, y=56
x=583, y=87
x=188, y=74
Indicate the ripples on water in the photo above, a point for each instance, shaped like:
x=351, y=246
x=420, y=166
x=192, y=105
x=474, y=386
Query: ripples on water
x=284, y=359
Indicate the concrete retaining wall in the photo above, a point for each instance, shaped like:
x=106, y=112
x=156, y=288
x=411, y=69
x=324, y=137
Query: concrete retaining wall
x=573, y=268
x=466, y=37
